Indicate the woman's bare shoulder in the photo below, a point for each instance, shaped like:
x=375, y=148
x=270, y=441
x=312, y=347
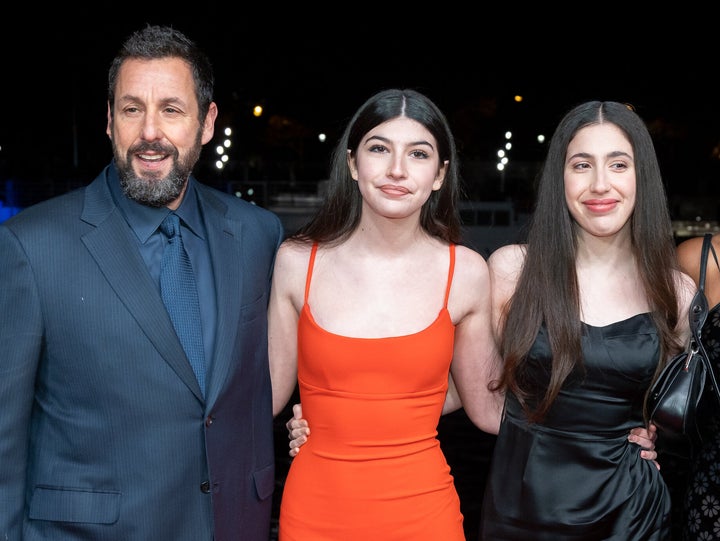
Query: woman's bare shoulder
x=688, y=252
x=471, y=268
x=470, y=285
x=292, y=258
x=508, y=258
x=468, y=256
x=292, y=249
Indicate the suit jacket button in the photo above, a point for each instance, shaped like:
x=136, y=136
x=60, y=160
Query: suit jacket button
x=205, y=487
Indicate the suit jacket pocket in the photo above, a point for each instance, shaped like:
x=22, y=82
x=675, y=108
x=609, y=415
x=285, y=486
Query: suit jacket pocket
x=254, y=310
x=74, y=505
x=264, y=482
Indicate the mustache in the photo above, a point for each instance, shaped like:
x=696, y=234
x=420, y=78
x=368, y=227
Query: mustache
x=154, y=146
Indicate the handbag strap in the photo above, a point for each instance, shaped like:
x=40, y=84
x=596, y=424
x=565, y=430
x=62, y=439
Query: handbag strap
x=706, y=245
x=699, y=306
x=699, y=311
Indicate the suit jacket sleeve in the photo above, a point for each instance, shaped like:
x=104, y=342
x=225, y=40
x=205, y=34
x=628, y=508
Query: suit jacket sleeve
x=21, y=337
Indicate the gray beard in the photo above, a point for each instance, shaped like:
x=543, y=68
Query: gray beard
x=157, y=192
x=154, y=192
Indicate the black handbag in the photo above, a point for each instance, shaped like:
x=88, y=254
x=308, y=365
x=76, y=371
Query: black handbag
x=685, y=394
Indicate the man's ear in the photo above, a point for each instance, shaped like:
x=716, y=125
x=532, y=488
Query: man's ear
x=108, y=128
x=208, y=127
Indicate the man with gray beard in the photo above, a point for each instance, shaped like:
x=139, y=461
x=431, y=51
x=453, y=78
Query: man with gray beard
x=108, y=429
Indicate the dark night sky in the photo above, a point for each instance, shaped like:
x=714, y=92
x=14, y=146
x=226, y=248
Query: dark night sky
x=315, y=73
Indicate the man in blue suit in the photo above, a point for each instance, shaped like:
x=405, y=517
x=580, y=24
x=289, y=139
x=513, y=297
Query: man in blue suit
x=105, y=433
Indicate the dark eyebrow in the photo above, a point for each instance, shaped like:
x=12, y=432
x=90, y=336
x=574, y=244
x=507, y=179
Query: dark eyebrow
x=386, y=140
x=618, y=153
x=165, y=101
x=613, y=154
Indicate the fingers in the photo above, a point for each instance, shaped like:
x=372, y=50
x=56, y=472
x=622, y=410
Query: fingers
x=649, y=455
x=295, y=445
x=298, y=435
x=644, y=443
x=297, y=427
x=643, y=437
x=297, y=411
x=649, y=433
x=652, y=456
x=298, y=430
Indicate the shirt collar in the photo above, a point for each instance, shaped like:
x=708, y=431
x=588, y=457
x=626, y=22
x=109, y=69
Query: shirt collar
x=189, y=209
x=145, y=220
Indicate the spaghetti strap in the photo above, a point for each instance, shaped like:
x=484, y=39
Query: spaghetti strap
x=451, y=271
x=311, y=263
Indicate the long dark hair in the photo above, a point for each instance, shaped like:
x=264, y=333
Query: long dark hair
x=547, y=290
x=339, y=213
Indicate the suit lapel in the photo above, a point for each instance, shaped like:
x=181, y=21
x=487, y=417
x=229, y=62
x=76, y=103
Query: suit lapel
x=225, y=252
x=114, y=250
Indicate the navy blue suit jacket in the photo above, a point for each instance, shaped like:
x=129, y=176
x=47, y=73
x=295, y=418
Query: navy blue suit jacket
x=104, y=434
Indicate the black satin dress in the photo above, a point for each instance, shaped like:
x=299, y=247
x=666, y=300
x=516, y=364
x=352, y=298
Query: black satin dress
x=576, y=476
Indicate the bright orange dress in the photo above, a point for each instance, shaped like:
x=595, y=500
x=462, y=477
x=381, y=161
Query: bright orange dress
x=372, y=469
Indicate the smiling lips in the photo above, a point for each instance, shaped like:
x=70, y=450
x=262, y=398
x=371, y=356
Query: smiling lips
x=151, y=157
x=600, y=206
x=394, y=189
x=151, y=163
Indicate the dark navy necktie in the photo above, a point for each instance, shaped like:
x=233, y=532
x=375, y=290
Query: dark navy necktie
x=179, y=293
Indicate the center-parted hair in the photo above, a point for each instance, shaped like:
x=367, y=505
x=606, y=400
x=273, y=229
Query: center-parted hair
x=339, y=213
x=547, y=291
